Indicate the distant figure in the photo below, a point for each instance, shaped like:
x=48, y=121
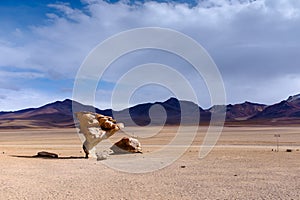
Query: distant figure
x=96, y=127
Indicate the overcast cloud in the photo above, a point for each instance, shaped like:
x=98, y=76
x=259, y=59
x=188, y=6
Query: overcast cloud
x=255, y=45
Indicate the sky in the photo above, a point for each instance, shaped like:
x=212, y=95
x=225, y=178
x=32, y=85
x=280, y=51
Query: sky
x=254, y=44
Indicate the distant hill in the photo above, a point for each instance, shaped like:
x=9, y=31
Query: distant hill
x=59, y=114
x=284, y=112
x=168, y=111
x=242, y=111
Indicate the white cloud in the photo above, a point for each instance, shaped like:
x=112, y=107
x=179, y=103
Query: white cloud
x=11, y=100
x=267, y=91
x=13, y=55
x=20, y=75
x=288, y=9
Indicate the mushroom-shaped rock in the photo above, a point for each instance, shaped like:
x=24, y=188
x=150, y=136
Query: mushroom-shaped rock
x=95, y=128
x=127, y=145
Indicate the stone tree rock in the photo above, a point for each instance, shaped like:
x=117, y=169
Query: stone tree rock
x=95, y=128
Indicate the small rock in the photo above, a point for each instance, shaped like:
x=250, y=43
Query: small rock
x=46, y=154
x=182, y=166
x=289, y=150
x=102, y=155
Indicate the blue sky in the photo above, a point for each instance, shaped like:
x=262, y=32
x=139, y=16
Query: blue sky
x=255, y=45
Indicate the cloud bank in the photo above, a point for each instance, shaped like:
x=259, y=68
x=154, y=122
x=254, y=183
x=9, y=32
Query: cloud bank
x=255, y=45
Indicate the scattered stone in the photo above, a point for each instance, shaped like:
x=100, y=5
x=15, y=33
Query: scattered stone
x=3, y=152
x=297, y=149
x=46, y=154
x=289, y=150
x=182, y=166
x=235, y=175
x=127, y=145
x=102, y=156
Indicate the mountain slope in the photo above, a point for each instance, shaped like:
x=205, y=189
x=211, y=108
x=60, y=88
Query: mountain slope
x=157, y=113
x=240, y=112
x=57, y=114
x=286, y=111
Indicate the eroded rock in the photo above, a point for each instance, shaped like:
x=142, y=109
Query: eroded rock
x=127, y=145
x=96, y=127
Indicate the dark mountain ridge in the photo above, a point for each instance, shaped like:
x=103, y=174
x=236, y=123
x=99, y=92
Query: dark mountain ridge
x=241, y=111
x=170, y=112
x=284, y=111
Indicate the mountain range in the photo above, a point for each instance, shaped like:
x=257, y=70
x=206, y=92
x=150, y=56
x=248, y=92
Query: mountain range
x=59, y=114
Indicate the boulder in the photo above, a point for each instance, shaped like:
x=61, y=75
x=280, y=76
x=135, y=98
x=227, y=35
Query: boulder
x=127, y=145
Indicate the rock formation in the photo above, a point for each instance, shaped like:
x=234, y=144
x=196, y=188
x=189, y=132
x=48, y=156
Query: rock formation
x=95, y=128
x=126, y=145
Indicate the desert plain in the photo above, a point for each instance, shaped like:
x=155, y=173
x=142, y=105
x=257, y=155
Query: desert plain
x=242, y=165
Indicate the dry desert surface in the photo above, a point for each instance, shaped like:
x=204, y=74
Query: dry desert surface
x=241, y=166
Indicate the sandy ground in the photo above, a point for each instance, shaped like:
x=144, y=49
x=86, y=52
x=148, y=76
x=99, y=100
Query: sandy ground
x=241, y=166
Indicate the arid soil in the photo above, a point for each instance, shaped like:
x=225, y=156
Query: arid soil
x=241, y=166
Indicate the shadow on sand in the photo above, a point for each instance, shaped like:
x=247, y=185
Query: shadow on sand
x=58, y=158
